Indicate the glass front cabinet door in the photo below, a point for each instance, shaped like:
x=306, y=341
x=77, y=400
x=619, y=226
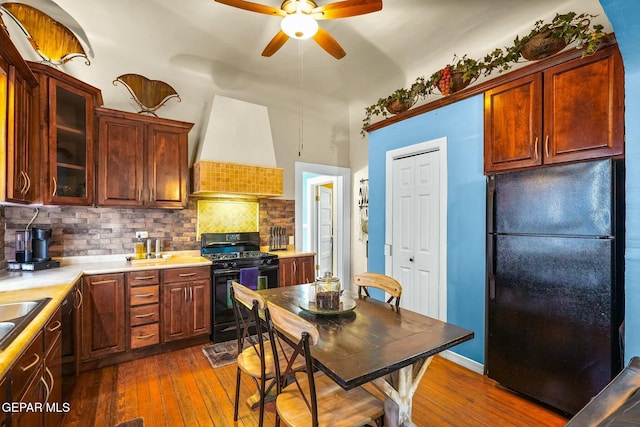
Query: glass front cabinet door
x=67, y=106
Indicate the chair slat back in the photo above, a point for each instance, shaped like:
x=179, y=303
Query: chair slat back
x=379, y=281
x=247, y=305
x=292, y=325
x=246, y=296
x=302, y=334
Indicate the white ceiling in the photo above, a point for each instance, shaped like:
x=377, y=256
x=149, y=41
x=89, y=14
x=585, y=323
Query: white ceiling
x=203, y=48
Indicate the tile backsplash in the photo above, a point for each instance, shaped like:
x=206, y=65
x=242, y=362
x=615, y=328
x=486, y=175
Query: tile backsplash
x=80, y=231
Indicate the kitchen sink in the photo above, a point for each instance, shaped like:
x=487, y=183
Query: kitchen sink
x=14, y=310
x=5, y=328
x=15, y=316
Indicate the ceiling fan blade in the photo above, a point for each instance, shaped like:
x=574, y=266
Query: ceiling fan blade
x=345, y=9
x=253, y=7
x=329, y=44
x=276, y=43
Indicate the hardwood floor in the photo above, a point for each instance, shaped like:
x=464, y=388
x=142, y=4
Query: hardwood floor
x=181, y=389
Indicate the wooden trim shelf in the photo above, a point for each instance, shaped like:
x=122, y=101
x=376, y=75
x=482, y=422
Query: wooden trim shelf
x=71, y=129
x=71, y=166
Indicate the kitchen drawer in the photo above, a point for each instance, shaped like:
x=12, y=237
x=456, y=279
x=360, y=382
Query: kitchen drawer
x=146, y=277
x=52, y=330
x=186, y=274
x=144, y=295
x=27, y=365
x=145, y=314
x=142, y=336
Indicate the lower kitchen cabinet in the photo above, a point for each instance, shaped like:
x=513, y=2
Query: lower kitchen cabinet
x=186, y=303
x=103, y=315
x=129, y=315
x=297, y=270
x=28, y=384
x=144, y=311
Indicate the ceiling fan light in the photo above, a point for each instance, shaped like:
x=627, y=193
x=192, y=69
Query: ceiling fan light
x=299, y=26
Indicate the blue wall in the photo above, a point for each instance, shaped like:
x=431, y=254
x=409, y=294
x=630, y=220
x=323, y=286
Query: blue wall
x=462, y=124
x=624, y=16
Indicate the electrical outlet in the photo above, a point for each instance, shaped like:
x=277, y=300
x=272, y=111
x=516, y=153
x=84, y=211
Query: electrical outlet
x=142, y=234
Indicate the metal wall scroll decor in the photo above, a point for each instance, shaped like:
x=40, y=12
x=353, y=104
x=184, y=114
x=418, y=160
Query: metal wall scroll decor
x=51, y=40
x=148, y=94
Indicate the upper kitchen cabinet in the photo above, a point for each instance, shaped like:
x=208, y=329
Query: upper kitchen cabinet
x=65, y=117
x=569, y=112
x=142, y=160
x=17, y=82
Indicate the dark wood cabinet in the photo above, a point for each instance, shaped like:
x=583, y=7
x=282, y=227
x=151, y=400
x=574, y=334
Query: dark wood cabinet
x=296, y=270
x=33, y=395
x=569, y=112
x=28, y=382
x=17, y=146
x=52, y=377
x=103, y=315
x=144, y=310
x=65, y=117
x=142, y=160
x=186, y=303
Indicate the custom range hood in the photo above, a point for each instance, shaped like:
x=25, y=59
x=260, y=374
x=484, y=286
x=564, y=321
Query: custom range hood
x=236, y=156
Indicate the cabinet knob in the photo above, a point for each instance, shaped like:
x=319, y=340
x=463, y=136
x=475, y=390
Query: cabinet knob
x=411, y=259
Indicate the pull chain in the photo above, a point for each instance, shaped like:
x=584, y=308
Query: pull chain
x=300, y=99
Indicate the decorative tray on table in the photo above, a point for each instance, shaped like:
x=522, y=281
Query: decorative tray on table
x=346, y=305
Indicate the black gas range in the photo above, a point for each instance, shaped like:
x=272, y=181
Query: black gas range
x=229, y=254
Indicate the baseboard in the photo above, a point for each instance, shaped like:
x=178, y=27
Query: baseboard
x=463, y=361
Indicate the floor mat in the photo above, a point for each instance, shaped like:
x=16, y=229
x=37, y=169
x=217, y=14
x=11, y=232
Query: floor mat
x=224, y=353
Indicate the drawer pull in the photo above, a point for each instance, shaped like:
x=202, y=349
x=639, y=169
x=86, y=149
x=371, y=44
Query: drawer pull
x=32, y=364
x=142, y=316
x=56, y=325
x=144, y=295
x=103, y=282
x=52, y=382
x=187, y=274
x=79, y=300
x=144, y=278
x=144, y=337
x=46, y=386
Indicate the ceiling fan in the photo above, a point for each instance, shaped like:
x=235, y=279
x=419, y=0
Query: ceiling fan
x=299, y=20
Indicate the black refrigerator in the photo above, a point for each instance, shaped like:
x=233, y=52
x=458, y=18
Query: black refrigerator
x=555, y=280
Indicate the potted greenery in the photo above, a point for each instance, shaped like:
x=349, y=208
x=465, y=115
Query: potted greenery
x=458, y=75
x=546, y=39
x=399, y=101
x=543, y=40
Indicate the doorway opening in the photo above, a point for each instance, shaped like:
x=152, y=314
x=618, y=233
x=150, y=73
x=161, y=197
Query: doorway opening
x=416, y=225
x=309, y=234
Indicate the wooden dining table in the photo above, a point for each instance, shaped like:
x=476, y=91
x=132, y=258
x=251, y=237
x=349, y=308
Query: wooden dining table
x=373, y=342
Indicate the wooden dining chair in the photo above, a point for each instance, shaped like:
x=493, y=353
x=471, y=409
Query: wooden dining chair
x=312, y=398
x=379, y=281
x=255, y=356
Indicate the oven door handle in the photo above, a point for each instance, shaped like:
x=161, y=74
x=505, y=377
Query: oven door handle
x=261, y=270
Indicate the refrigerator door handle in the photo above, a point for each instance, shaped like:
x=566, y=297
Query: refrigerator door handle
x=492, y=286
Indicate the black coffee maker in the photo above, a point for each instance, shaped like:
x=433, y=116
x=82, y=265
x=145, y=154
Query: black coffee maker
x=40, y=243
